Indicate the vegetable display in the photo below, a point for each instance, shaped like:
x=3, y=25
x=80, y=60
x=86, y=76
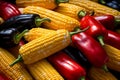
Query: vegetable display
x=59, y=40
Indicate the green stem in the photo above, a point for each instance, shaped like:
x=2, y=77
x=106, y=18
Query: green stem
x=18, y=37
x=100, y=38
x=39, y=21
x=102, y=1
x=82, y=78
x=104, y=67
x=117, y=22
x=78, y=30
x=19, y=59
x=82, y=13
x=61, y=1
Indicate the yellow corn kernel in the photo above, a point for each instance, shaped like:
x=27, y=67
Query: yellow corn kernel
x=49, y=4
x=58, y=21
x=43, y=47
x=37, y=32
x=98, y=8
x=43, y=70
x=114, y=57
x=99, y=74
x=17, y=72
x=69, y=10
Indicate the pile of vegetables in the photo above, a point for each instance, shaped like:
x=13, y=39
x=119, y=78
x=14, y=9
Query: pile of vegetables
x=59, y=40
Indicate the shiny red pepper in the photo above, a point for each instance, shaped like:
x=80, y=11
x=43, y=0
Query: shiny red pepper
x=67, y=67
x=113, y=39
x=91, y=49
x=96, y=30
x=108, y=21
x=3, y=77
x=8, y=10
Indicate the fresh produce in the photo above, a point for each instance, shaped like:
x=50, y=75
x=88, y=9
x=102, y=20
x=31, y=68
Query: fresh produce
x=10, y=37
x=91, y=49
x=1, y=20
x=43, y=47
x=67, y=67
x=43, y=70
x=78, y=56
x=8, y=10
x=23, y=21
x=100, y=74
x=58, y=21
x=13, y=73
x=99, y=9
x=113, y=39
x=114, y=57
x=48, y=4
x=96, y=30
x=3, y=77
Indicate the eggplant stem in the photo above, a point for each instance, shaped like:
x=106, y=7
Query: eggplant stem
x=61, y=1
x=19, y=59
x=18, y=37
x=100, y=39
x=39, y=21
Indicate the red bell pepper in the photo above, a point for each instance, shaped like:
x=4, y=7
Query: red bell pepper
x=8, y=10
x=3, y=77
x=91, y=49
x=67, y=67
x=96, y=30
x=113, y=39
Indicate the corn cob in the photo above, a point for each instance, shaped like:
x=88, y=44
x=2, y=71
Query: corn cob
x=58, y=21
x=98, y=8
x=43, y=70
x=43, y=46
x=17, y=72
x=70, y=10
x=1, y=20
x=114, y=57
x=37, y=32
x=99, y=74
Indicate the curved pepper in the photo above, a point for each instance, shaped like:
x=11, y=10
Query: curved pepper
x=10, y=37
x=113, y=39
x=8, y=10
x=23, y=21
x=96, y=30
x=67, y=67
x=91, y=49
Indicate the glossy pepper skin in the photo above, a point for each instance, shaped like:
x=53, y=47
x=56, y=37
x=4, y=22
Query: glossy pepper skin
x=78, y=56
x=8, y=10
x=96, y=30
x=108, y=21
x=113, y=39
x=115, y=4
x=66, y=66
x=10, y=37
x=22, y=22
x=91, y=49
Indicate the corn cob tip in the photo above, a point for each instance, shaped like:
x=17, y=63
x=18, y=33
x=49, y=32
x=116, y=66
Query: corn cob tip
x=39, y=21
x=19, y=59
x=61, y=1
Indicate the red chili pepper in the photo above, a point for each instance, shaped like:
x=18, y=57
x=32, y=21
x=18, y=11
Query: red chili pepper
x=67, y=67
x=96, y=30
x=8, y=10
x=91, y=49
x=108, y=21
x=113, y=39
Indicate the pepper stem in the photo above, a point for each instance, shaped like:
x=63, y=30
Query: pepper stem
x=78, y=30
x=104, y=67
x=82, y=13
x=100, y=38
x=102, y=1
x=117, y=22
x=18, y=37
x=17, y=60
x=39, y=21
x=82, y=78
x=61, y=1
